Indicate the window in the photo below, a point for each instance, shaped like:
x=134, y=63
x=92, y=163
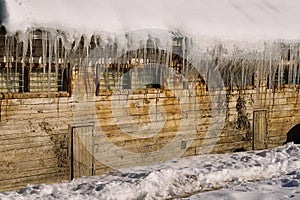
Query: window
x=22, y=68
x=9, y=80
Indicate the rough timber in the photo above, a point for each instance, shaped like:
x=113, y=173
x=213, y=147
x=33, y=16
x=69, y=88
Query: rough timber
x=50, y=94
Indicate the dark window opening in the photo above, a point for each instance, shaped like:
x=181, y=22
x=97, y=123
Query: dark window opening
x=140, y=73
x=9, y=80
x=293, y=135
x=35, y=80
x=235, y=75
x=281, y=76
x=32, y=67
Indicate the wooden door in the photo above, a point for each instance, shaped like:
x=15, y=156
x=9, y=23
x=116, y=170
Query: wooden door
x=259, y=129
x=82, y=161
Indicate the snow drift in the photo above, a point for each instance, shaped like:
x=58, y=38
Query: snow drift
x=176, y=178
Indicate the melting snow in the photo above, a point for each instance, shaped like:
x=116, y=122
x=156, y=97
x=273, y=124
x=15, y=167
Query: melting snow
x=266, y=174
x=234, y=19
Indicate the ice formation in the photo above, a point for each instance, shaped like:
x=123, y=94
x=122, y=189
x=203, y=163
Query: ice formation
x=226, y=33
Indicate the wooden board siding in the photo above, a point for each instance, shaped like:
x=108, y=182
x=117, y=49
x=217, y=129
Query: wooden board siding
x=35, y=143
x=47, y=135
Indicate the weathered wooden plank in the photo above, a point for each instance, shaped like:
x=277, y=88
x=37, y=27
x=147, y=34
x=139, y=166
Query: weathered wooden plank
x=16, y=183
x=27, y=152
x=28, y=170
x=259, y=129
x=40, y=120
x=82, y=151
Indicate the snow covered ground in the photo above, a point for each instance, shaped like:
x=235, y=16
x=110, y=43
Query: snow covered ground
x=282, y=187
x=267, y=174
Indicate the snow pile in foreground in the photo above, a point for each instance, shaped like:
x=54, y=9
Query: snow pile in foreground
x=279, y=188
x=178, y=178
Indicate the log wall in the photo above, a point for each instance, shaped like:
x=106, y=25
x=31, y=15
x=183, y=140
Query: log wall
x=36, y=130
x=94, y=127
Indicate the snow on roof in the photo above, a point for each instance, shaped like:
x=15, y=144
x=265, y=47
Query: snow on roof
x=231, y=19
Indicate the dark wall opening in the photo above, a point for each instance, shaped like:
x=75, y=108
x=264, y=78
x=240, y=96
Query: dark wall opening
x=293, y=135
x=3, y=12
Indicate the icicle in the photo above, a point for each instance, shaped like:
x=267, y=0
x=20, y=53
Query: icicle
x=25, y=47
x=290, y=65
x=298, y=74
x=86, y=68
x=270, y=70
x=188, y=68
x=44, y=60
x=30, y=54
x=183, y=56
x=8, y=60
x=279, y=73
x=99, y=65
x=50, y=39
x=231, y=76
x=258, y=67
x=166, y=55
x=57, y=60
x=294, y=73
x=7, y=50
x=290, y=72
x=16, y=69
x=170, y=64
x=119, y=76
x=243, y=75
x=65, y=63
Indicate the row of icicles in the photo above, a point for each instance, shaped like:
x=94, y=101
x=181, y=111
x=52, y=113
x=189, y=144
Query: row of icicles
x=277, y=64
